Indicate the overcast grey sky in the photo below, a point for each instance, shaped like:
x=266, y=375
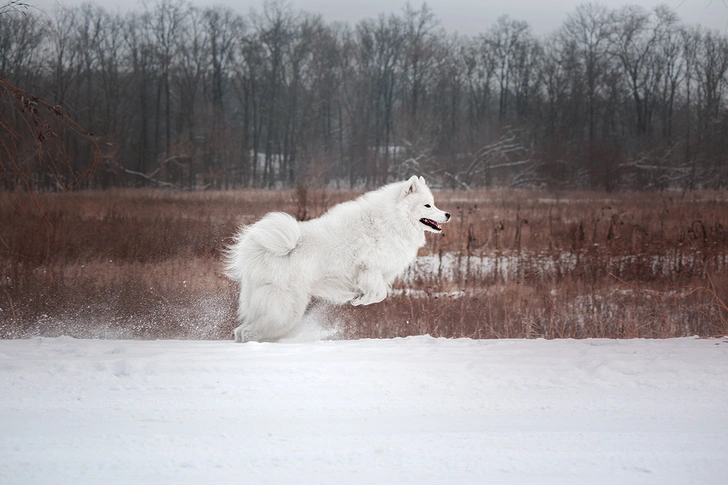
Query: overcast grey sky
x=468, y=17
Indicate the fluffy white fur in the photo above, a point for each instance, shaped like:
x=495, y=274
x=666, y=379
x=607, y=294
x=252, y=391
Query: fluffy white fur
x=351, y=254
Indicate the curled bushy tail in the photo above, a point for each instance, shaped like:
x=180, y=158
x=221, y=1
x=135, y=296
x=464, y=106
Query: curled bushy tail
x=277, y=233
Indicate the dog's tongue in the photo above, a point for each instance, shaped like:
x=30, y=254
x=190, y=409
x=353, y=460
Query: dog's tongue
x=431, y=223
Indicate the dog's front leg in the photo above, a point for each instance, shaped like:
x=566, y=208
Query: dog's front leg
x=373, y=288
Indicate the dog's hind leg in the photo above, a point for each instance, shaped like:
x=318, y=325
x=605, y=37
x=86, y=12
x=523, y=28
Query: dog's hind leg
x=273, y=313
x=239, y=334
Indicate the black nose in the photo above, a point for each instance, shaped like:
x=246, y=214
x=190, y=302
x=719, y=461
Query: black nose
x=447, y=216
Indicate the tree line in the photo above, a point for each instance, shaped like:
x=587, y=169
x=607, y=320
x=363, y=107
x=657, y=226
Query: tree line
x=188, y=97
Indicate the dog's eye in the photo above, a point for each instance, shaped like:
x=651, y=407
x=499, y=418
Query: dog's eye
x=428, y=206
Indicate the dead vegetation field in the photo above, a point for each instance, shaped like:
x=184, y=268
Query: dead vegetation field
x=512, y=263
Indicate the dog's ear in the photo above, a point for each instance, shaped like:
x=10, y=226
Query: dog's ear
x=422, y=180
x=412, y=185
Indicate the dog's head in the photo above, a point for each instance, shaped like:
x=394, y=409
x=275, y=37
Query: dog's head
x=421, y=205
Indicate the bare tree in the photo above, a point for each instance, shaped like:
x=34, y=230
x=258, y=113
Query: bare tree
x=421, y=32
x=275, y=30
x=33, y=151
x=670, y=56
x=166, y=18
x=373, y=80
x=109, y=54
x=139, y=42
x=193, y=62
x=505, y=40
x=639, y=36
x=588, y=31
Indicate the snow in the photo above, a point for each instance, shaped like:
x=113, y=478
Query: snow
x=417, y=410
x=512, y=266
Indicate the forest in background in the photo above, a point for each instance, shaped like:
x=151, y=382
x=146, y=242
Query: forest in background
x=180, y=96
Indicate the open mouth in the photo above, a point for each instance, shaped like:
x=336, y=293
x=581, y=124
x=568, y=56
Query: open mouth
x=430, y=223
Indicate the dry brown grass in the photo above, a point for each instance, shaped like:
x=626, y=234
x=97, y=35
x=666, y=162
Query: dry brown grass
x=146, y=264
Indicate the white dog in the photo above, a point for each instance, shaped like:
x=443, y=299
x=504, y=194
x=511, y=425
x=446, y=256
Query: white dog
x=350, y=254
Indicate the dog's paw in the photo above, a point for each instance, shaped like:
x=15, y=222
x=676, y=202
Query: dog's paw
x=364, y=299
x=369, y=298
x=238, y=335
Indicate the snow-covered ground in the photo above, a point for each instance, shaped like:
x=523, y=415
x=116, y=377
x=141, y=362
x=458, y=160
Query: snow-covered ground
x=405, y=411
